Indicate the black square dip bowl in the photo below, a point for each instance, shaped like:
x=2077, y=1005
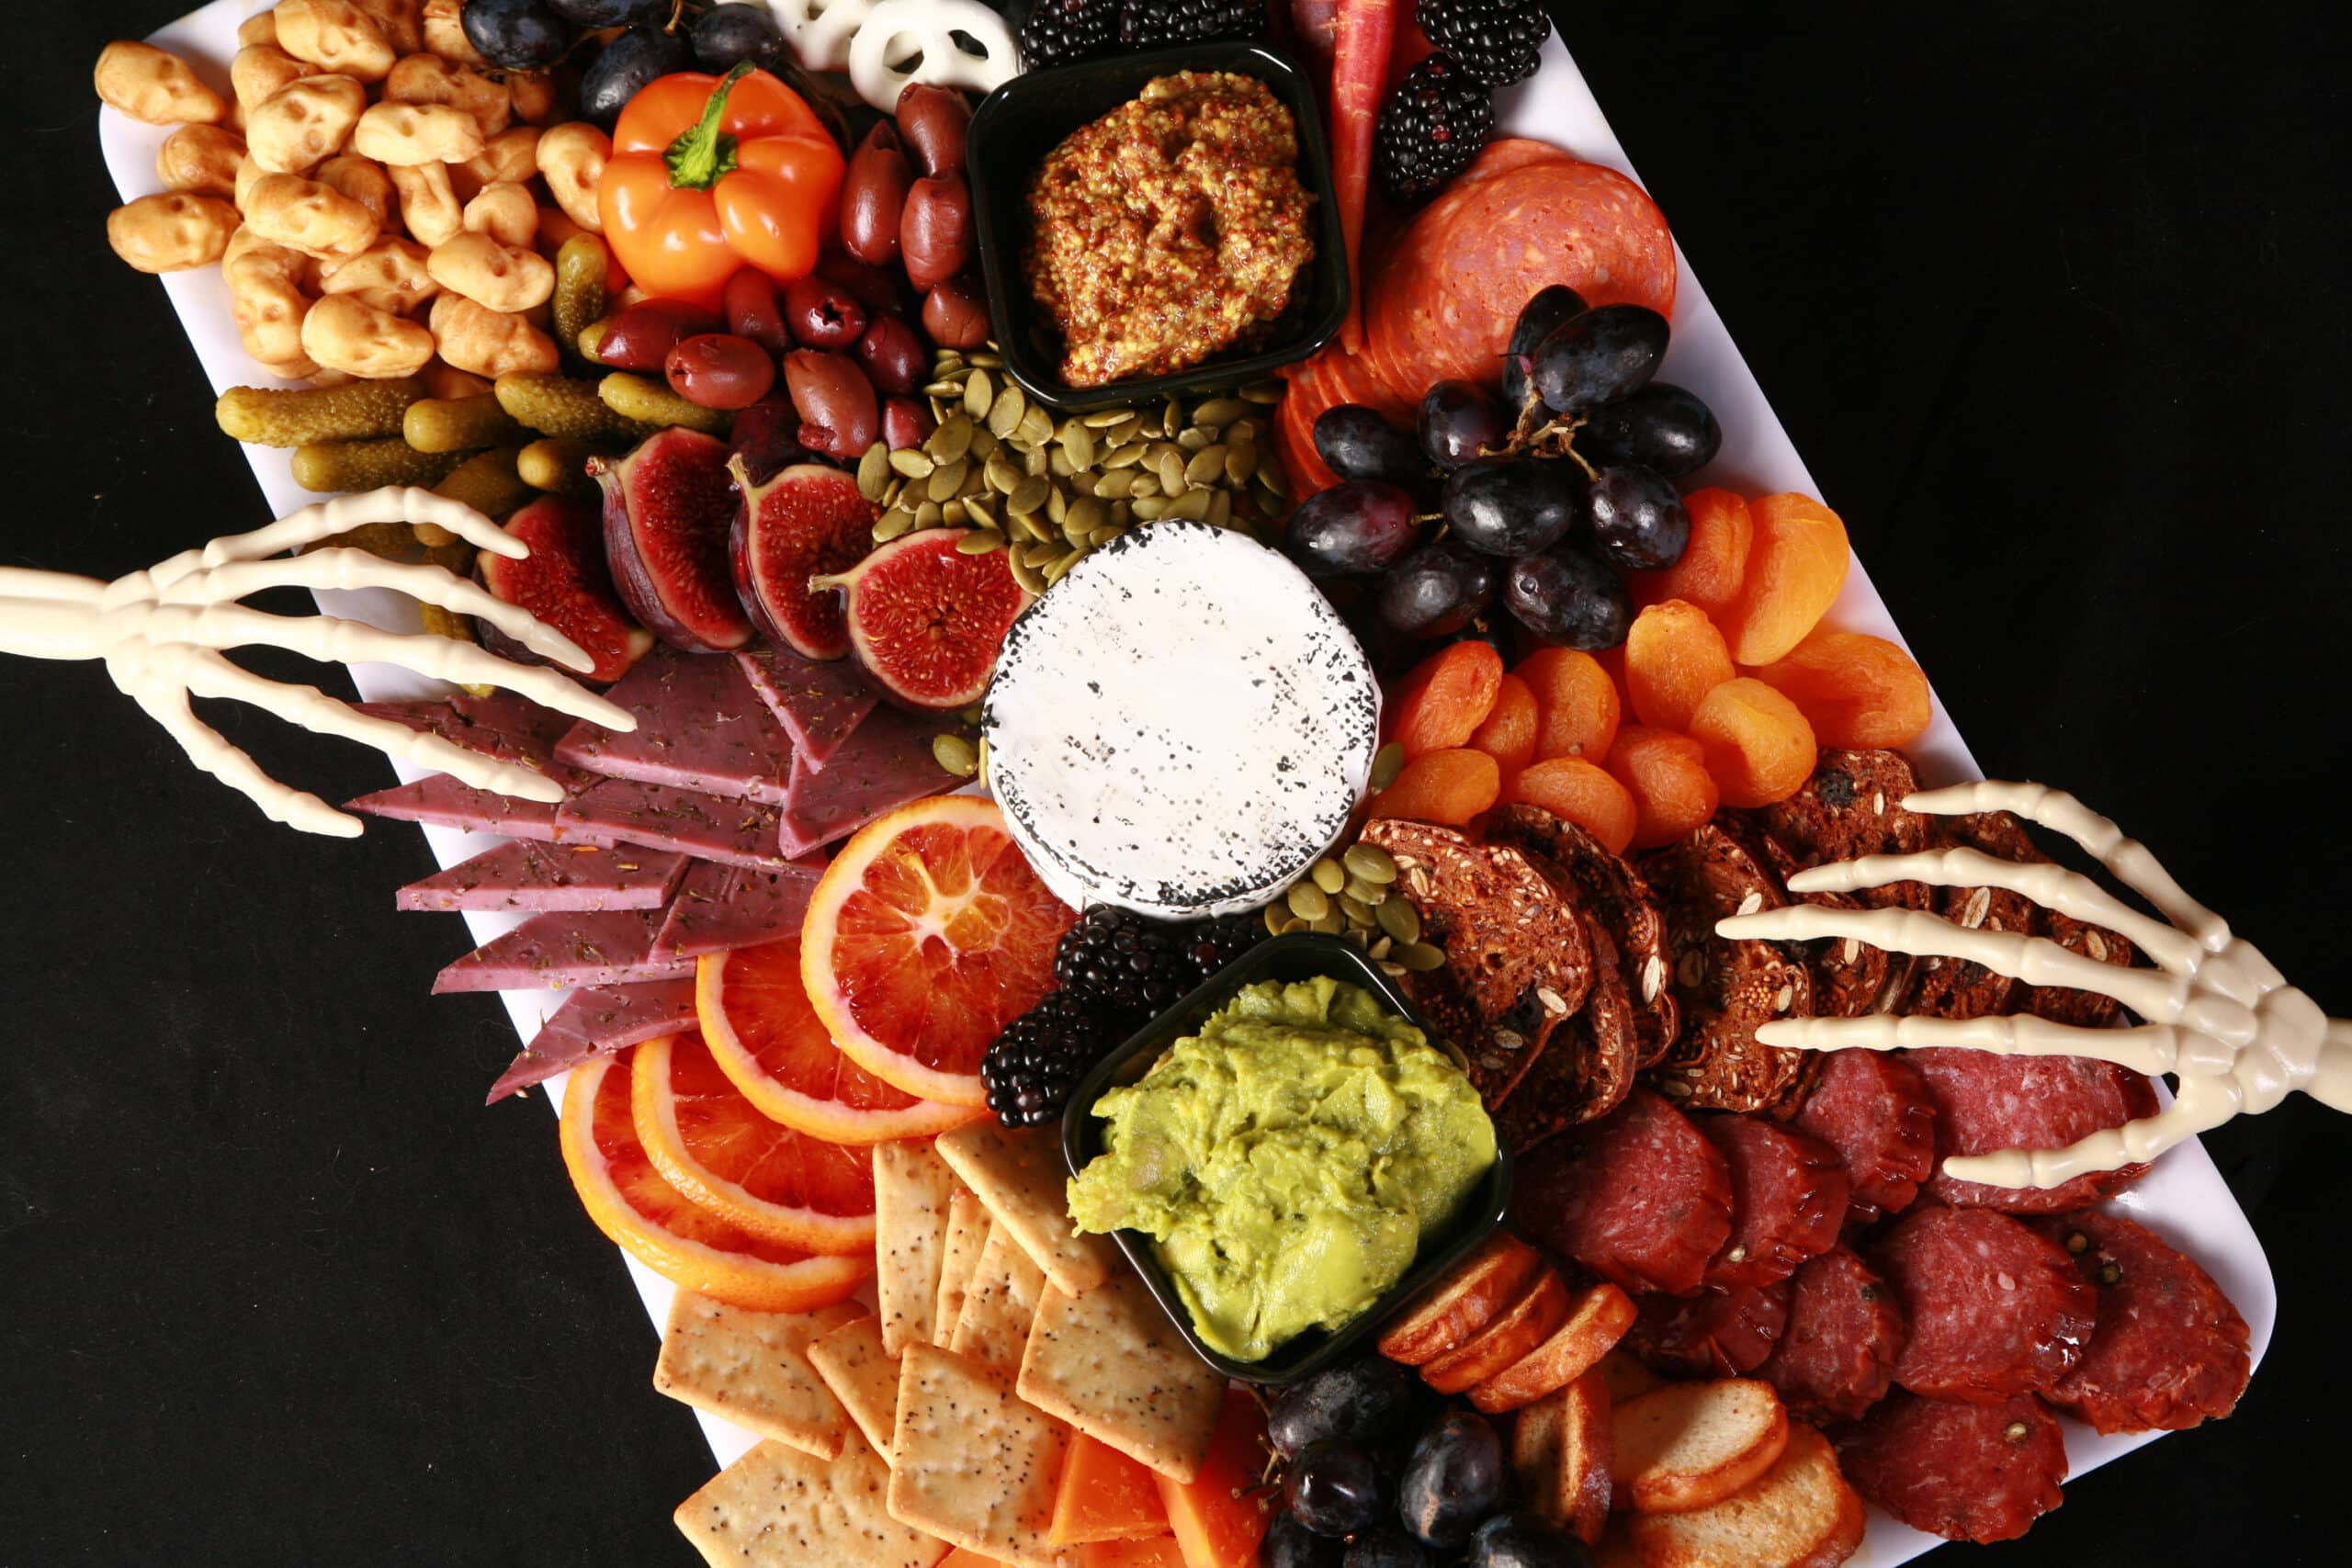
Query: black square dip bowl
x=1301, y=955
x=1016, y=126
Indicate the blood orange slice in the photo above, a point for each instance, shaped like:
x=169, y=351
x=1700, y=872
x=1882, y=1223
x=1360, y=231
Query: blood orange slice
x=714, y=1146
x=766, y=1038
x=657, y=1225
x=925, y=937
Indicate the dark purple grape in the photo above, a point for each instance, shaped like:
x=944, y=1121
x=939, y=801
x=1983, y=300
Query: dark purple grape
x=725, y=35
x=625, y=67
x=1356, y=525
x=1525, y=1541
x=1289, y=1544
x=1638, y=521
x=1355, y=1401
x=1458, y=421
x=516, y=35
x=1510, y=506
x=1332, y=1488
x=1386, y=1547
x=1569, y=597
x=606, y=13
x=1359, y=445
x=1455, y=1478
x=1436, y=592
x=1599, y=357
x=1537, y=319
x=1661, y=427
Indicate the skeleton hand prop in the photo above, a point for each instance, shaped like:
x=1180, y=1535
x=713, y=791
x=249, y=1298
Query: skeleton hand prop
x=160, y=632
x=2218, y=1014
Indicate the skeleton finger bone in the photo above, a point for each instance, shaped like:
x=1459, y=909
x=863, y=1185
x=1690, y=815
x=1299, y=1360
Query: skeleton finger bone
x=2150, y=1048
x=166, y=701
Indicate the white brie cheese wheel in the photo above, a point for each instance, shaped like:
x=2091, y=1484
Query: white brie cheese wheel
x=1182, y=725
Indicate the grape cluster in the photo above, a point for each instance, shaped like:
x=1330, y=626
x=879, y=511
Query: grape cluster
x=1542, y=498
x=1378, y=1473
x=659, y=38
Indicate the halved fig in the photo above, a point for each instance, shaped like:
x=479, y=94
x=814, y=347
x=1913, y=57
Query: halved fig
x=927, y=620
x=803, y=523
x=565, y=583
x=669, y=506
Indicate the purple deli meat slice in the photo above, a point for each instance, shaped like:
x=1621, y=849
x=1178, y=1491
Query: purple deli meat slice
x=885, y=764
x=707, y=827
x=500, y=725
x=820, y=703
x=441, y=801
x=524, y=875
x=599, y=1019
x=699, y=725
x=561, y=951
x=719, y=907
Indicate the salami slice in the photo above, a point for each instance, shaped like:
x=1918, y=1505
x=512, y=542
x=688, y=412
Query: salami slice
x=2169, y=1350
x=1619, y=902
x=1995, y=1308
x=1836, y=1355
x=1986, y=1102
x=1873, y=1109
x=1639, y=1196
x=1788, y=1199
x=1979, y=1473
x=1588, y=1068
x=1722, y=1334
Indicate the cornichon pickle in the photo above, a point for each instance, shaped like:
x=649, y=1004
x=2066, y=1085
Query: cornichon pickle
x=333, y=466
x=558, y=405
x=579, y=272
x=458, y=424
x=555, y=463
x=297, y=416
x=590, y=336
x=487, y=483
x=636, y=398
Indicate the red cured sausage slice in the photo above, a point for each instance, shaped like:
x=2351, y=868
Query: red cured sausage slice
x=1995, y=1308
x=1979, y=1473
x=1986, y=1102
x=1872, y=1107
x=1836, y=1355
x=1788, y=1199
x=2169, y=1350
x=1720, y=1334
x=1636, y=1196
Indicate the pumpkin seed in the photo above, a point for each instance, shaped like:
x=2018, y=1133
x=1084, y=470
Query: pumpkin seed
x=1002, y=474
x=1418, y=957
x=1027, y=494
x=1371, y=861
x=1274, y=915
x=1359, y=913
x=1220, y=410
x=1171, y=418
x=1060, y=568
x=1116, y=483
x=1240, y=462
x=947, y=480
x=1078, y=441
x=954, y=514
x=1057, y=504
x=1125, y=457
x=983, y=773
x=1086, y=511
x=913, y=461
x=1171, y=469
x=1030, y=581
x=1220, y=508
x=1146, y=484
x=978, y=508
x=984, y=444
x=978, y=542
x=874, y=472
x=1087, y=483
x=1326, y=874
x=1208, y=465
x=992, y=361
x=1241, y=430
x=944, y=388
x=1386, y=764
x=897, y=488
x=1380, y=949
x=952, y=440
x=1307, y=901
x=1332, y=923
x=1150, y=508
x=1193, y=506
x=893, y=523
x=1125, y=431
x=1036, y=426
x=1369, y=894
x=929, y=515
x=1270, y=475
x=1004, y=414
x=1103, y=419
x=1123, y=511
x=1098, y=537
x=955, y=754
x=979, y=393
x=1400, y=920
x=1193, y=439
x=1059, y=462
x=1033, y=461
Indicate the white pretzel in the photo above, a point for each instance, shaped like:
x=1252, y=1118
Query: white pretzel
x=931, y=24
x=160, y=631
x=2218, y=1014
x=820, y=30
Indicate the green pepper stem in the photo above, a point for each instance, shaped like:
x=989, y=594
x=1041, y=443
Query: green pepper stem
x=705, y=156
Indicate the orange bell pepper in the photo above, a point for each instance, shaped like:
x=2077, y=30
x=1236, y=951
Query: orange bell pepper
x=709, y=174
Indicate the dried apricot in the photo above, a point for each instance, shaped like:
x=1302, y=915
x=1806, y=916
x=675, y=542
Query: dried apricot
x=1446, y=697
x=1449, y=786
x=1584, y=795
x=1674, y=656
x=1667, y=775
x=1759, y=746
x=1854, y=688
x=1508, y=734
x=1576, y=707
x=1714, y=564
x=1796, y=564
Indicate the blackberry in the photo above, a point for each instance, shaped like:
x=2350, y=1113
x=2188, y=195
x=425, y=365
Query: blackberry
x=1149, y=24
x=1124, y=968
x=1497, y=41
x=1212, y=944
x=1057, y=33
x=1432, y=125
x=1039, y=1058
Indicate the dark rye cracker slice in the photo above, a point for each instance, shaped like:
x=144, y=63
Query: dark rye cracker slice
x=1615, y=899
x=1517, y=964
x=2062, y=1004
x=1850, y=978
x=1954, y=987
x=1851, y=806
x=1724, y=990
x=1589, y=1067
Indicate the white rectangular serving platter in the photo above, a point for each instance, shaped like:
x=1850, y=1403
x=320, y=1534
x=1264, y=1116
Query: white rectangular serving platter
x=2183, y=1199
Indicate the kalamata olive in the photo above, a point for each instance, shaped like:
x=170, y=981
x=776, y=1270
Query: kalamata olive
x=719, y=370
x=641, y=336
x=892, y=357
x=905, y=421
x=755, y=311
x=935, y=231
x=873, y=191
x=879, y=288
x=822, y=313
x=932, y=121
x=955, y=313
x=839, y=414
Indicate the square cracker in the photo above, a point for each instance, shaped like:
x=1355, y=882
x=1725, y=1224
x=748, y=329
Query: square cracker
x=1020, y=1176
x=1001, y=1304
x=912, y=1190
x=862, y=1376
x=1111, y=1364
x=752, y=1369
x=777, y=1507
x=973, y=1464
x=967, y=1234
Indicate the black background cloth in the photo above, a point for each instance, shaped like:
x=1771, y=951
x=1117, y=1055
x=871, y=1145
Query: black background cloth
x=2052, y=299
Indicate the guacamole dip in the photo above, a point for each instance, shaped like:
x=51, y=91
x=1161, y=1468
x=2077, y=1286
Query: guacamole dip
x=1288, y=1160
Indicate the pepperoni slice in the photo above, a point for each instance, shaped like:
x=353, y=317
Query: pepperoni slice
x=2169, y=1350
x=1986, y=1102
x=1836, y=1355
x=1995, y=1308
x=1873, y=1110
x=1637, y=1196
x=1788, y=1199
x=1720, y=1334
x=1979, y=1473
